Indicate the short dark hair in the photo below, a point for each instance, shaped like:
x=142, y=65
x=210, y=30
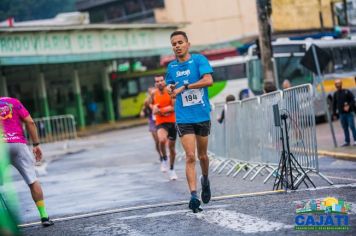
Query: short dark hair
x=269, y=87
x=230, y=98
x=179, y=32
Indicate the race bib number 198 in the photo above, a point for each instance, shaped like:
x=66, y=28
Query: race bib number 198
x=192, y=97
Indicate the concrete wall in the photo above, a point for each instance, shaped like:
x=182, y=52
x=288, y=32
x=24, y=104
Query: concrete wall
x=293, y=15
x=211, y=21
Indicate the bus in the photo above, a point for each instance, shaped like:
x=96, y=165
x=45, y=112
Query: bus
x=287, y=55
x=230, y=77
x=130, y=90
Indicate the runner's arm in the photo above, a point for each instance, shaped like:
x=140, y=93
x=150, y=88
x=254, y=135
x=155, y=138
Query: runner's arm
x=166, y=109
x=32, y=130
x=205, y=81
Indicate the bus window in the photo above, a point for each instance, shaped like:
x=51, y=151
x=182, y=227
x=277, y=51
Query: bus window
x=353, y=54
x=329, y=69
x=337, y=59
x=146, y=82
x=346, y=59
x=255, y=76
x=129, y=88
x=290, y=68
x=237, y=71
x=219, y=74
x=132, y=87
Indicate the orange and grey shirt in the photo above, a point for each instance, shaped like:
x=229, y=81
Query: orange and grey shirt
x=163, y=99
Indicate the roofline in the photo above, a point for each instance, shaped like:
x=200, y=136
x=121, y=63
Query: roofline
x=91, y=27
x=87, y=4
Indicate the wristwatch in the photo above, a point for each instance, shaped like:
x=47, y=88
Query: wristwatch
x=35, y=144
x=186, y=86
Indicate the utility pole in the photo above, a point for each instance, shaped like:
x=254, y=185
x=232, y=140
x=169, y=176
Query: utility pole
x=321, y=16
x=345, y=13
x=264, y=11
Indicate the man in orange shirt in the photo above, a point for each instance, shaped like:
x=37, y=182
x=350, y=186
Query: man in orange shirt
x=163, y=108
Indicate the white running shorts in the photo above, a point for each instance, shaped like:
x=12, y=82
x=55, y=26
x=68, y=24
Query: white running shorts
x=23, y=160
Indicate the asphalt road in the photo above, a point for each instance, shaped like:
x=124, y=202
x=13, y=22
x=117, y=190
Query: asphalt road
x=118, y=171
x=255, y=215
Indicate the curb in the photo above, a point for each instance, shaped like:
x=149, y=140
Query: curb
x=150, y=206
x=86, y=133
x=338, y=155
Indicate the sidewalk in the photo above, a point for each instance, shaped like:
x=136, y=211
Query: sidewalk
x=326, y=145
x=101, y=128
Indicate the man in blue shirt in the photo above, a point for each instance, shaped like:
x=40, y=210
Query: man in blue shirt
x=188, y=78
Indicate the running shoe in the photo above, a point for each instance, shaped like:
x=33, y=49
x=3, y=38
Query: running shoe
x=164, y=166
x=205, y=190
x=46, y=222
x=172, y=175
x=194, y=205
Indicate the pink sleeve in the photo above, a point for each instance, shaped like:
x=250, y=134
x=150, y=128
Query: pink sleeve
x=20, y=109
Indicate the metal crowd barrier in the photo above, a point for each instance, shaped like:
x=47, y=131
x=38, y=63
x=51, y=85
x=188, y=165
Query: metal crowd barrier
x=55, y=128
x=249, y=141
x=217, y=141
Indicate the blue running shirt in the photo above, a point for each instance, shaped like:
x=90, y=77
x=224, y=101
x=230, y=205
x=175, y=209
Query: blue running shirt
x=192, y=105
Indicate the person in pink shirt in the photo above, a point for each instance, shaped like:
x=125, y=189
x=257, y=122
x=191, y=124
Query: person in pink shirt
x=12, y=116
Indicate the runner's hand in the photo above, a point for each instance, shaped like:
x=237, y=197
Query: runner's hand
x=178, y=91
x=37, y=152
x=155, y=109
x=171, y=88
x=142, y=114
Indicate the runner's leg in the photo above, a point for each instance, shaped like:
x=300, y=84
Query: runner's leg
x=172, y=152
x=188, y=143
x=202, y=147
x=162, y=140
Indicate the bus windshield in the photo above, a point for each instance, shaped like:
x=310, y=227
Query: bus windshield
x=290, y=68
x=255, y=81
x=287, y=68
x=229, y=72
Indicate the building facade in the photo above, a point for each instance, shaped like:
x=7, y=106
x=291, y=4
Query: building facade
x=223, y=23
x=207, y=22
x=302, y=15
x=64, y=69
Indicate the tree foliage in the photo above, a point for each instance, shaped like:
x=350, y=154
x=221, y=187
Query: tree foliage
x=23, y=10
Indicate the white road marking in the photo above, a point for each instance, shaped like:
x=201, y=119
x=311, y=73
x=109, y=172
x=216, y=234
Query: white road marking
x=352, y=185
x=343, y=178
x=240, y=222
x=225, y=218
x=353, y=208
x=168, y=213
x=118, y=210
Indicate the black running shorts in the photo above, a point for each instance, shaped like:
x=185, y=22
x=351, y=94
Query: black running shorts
x=170, y=128
x=201, y=128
